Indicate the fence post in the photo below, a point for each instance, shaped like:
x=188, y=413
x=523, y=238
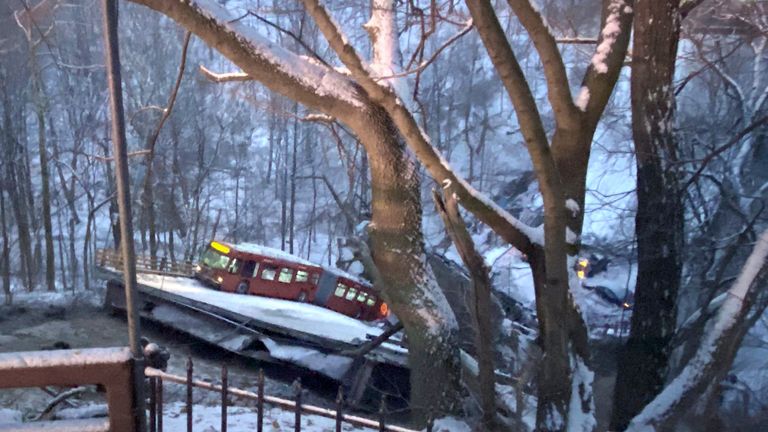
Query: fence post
x=224, y=390
x=297, y=419
x=152, y=404
x=260, y=403
x=339, y=408
x=382, y=410
x=159, y=400
x=189, y=394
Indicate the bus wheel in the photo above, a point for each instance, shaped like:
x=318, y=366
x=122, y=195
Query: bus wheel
x=302, y=297
x=242, y=288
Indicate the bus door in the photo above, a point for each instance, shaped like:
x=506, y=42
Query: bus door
x=325, y=288
x=247, y=271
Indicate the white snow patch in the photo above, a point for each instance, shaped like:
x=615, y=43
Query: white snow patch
x=571, y=205
x=272, y=253
x=580, y=420
x=570, y=236
x=451, y=424
x=610, y=33
x=242, y=419
x=330, y=365
x=582, y=100
x=9, y=416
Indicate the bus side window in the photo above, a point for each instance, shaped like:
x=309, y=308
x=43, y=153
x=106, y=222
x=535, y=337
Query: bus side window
x=286, y=275
x=362, y=296
x=234, y=266
x=351, y=293
x=341, y=289
x=315, y=278
x=301, y=276
x=269, y=272
x=255, y=269
x=371, y=301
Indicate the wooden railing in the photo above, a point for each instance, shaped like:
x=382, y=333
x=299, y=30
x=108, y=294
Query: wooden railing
x=110, y=258
x=110, y=367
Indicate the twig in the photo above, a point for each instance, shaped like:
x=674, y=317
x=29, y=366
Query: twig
x=224, y=77
x=467, y=27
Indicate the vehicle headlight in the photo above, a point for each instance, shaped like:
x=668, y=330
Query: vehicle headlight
x=198, y=268
x=219, y=279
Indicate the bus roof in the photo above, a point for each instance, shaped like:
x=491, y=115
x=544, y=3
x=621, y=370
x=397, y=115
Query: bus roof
x=341, y=273
x=258, y=249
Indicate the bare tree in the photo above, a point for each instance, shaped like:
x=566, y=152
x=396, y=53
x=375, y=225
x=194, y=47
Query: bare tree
x=659, y=219
x=395, y=229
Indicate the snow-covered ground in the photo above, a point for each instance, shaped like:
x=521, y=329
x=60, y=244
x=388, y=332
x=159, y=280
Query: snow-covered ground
x=207, y=418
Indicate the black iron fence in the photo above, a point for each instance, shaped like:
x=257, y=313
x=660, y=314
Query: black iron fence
x=157, y=378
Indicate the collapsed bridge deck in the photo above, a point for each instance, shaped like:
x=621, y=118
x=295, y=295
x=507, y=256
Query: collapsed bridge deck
x=267, y=329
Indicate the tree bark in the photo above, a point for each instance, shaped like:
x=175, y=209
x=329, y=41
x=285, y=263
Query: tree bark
x=644, y=362
x=480, y=302
x=5, y=259
x=45, y=178
x=398, y=251
x=717, y=350
x=19, y=203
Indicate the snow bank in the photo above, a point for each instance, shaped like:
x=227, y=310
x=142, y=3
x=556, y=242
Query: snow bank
x=9, y=416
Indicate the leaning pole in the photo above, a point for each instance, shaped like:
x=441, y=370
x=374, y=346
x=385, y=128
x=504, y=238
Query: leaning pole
x=120, y=154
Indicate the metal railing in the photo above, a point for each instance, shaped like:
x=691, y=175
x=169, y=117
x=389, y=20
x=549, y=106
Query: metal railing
x=158, y=377
x=145, y=264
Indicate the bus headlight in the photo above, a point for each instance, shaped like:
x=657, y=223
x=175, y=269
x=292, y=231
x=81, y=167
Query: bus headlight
x=198, y=269
x=219, y=279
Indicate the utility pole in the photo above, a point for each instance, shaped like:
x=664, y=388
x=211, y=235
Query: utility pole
x=120, y=154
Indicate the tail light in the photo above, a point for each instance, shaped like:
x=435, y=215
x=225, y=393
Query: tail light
x=383, y=309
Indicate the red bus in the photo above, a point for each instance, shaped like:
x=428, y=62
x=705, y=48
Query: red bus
x=249, y=268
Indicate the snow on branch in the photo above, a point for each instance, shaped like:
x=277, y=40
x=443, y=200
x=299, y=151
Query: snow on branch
x=224, y=77
x=518, y=234
x=610, y=33
x=300, y=77
x=717, y=348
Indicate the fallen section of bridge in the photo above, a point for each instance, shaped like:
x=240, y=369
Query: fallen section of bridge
x=360, y=355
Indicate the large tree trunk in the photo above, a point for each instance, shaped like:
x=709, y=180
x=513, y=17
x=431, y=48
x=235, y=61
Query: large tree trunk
x=480, y=305
x=718, y=347
x=18, y=203
x=398, y=251
x=644, y=362
x=45, y=178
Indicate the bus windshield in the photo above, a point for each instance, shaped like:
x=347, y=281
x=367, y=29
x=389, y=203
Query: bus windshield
x=214, y=259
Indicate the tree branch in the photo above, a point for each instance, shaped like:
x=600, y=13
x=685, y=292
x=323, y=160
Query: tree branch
x=296, y=77
x=224, y=77
x=608, y=59
x=717, y=349
x=522, y=236
x=558, y=90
